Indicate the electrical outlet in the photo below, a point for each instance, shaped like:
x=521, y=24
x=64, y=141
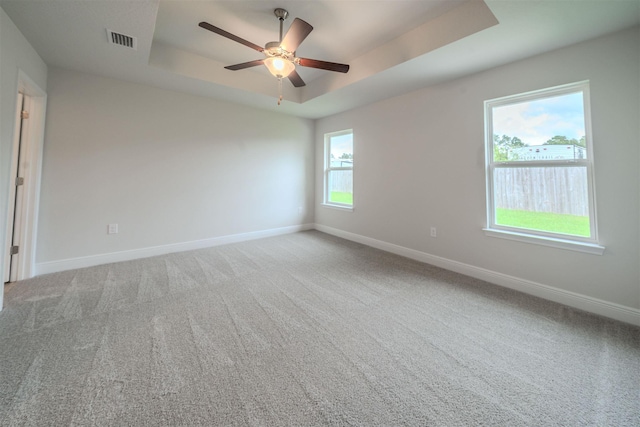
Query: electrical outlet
x=112, y=229
x=300, y=210
x=434, y=232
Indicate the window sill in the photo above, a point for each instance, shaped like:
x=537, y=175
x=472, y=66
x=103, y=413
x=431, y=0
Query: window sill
x=572, y=245
x=338, y=207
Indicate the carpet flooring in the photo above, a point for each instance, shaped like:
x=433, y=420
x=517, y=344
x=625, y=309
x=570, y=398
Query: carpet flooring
x=304, y=329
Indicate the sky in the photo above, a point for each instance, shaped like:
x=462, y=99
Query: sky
x=341, y=144
x=535, y=122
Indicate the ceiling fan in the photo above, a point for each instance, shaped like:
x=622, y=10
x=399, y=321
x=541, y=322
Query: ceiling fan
x=280, y=57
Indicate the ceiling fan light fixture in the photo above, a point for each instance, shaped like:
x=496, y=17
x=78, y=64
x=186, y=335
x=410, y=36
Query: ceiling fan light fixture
x=279, y=67
x=280, y=56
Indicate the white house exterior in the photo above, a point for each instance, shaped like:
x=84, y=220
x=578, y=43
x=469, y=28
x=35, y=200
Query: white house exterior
x=548, y=152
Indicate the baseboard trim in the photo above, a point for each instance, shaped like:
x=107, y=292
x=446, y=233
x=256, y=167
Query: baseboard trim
x=108, y=258
x=572, y=299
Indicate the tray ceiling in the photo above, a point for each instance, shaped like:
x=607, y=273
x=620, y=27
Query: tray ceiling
x=392, y=46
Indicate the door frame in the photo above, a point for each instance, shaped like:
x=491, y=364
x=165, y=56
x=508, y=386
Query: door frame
x=14, y=205
x=32, y=161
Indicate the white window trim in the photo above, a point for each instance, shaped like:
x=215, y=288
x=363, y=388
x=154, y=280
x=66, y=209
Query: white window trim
x=564, y=241
x=572, y=245
x=340, y=207
x=328, y=168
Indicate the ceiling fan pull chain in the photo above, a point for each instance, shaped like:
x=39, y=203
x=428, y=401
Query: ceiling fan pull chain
x=279, y=90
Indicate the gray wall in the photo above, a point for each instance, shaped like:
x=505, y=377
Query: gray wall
x=419, y=162
x=17, y=54
x=167, y=167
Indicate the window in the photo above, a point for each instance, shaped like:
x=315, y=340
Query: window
x=540, y=168
x=338, y=169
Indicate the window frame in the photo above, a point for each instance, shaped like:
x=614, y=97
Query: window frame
x=328, y=169
x=546, y=238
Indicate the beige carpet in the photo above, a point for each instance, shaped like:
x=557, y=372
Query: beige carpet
x=303, y=330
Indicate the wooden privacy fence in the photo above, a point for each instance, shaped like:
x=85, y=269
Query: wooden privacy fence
x=341, y=180
x=561, y=190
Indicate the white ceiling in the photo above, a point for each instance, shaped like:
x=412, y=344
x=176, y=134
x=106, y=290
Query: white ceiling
x=392, y=46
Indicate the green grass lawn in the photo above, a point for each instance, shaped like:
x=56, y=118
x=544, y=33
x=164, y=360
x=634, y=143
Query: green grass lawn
x=544, y=221
x=339, y=197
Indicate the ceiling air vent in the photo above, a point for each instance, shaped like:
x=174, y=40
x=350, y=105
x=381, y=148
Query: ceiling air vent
x=122, y=40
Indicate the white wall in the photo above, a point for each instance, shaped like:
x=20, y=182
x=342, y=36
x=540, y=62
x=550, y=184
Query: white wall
x=15, y=54
x=167, y=167
x=419, y=162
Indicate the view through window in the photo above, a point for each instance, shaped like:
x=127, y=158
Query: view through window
x=338, y=179
x=540, y=163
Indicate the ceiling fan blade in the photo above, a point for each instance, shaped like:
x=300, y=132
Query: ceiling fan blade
x=298, y=31
x=323, y=65
x=295, y=78
x=244, y=65
x=230, y=36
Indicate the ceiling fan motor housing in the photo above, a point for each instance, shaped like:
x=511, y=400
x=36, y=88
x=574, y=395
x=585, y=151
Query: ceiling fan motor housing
x=274, y=49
